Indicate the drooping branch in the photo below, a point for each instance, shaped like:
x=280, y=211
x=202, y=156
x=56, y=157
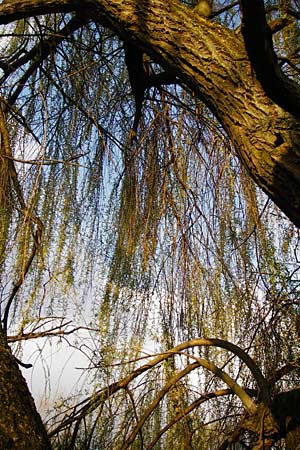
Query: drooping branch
x=188, y=410
x=42, y=49
x=39, y=53
x=34, y=223
x=218, y=69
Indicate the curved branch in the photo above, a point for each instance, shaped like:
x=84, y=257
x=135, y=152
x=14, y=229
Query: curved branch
x=258, y=41
x=256, y=372
x=189, y=368
x=235, y=388
x=91, y=403
x=247, y=401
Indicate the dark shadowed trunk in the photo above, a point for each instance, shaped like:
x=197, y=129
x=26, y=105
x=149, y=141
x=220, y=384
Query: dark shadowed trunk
x=21, y=427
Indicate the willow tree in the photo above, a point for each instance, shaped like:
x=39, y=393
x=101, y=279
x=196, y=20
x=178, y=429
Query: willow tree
x=132, y=128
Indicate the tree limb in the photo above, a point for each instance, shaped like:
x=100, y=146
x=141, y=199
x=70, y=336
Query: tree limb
x=258, y=41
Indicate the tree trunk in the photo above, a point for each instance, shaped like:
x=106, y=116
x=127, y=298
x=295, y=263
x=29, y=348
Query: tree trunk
x=21, y=427
x=268, y=425
x=286, y=409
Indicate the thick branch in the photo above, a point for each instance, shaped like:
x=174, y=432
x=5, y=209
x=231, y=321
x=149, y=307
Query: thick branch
x=91, y=403
x=235, y=388
x=15, y=10
x=258, y=41
x=252, y=109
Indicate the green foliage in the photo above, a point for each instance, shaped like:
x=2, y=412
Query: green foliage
x=169, y=235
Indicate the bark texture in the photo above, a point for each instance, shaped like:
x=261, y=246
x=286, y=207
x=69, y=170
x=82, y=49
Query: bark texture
x=268, y=424
x=286, y=409
x=21, y=427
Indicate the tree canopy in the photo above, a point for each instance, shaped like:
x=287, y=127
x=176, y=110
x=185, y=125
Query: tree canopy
x=150, y=183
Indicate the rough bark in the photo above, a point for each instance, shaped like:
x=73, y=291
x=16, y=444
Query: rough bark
x=21, y=427
x=286, y=410
x=270, y=424
x=258, y=41
x=262, y=425
x=212, y=61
